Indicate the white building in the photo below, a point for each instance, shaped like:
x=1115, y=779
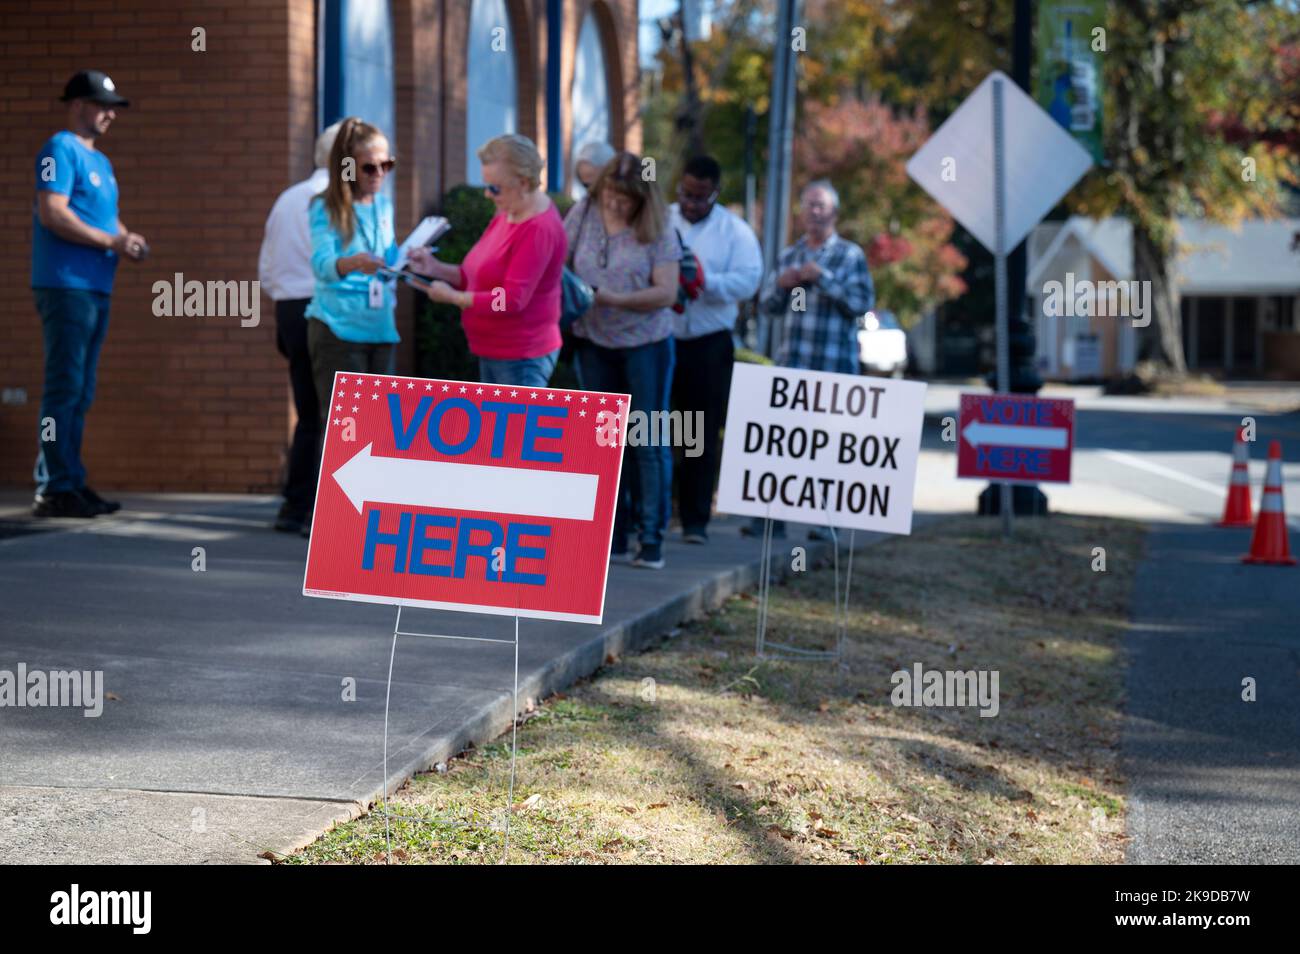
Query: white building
x=1239, y=290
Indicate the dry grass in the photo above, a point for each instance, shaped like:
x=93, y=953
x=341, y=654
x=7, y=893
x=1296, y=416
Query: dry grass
x=698, y=752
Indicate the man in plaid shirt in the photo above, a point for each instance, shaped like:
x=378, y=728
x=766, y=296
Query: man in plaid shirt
x=822, y=287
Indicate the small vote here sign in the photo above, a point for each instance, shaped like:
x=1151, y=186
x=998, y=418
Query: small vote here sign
x=1015, y=438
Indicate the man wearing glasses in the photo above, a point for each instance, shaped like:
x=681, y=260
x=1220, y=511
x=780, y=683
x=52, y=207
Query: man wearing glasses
x=77, y=240
x=733, y=267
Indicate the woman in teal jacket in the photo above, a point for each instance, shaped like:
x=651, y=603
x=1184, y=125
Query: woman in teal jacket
x=353, y=327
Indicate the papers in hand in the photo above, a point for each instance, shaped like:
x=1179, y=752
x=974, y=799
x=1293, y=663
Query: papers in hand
x=426, y=233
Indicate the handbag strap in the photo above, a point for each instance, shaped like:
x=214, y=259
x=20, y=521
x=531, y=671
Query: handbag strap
x=578, y=237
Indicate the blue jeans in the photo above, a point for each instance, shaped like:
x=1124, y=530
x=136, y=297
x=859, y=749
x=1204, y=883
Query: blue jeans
x=642, y=372
x=74, y=322
x=522, y=372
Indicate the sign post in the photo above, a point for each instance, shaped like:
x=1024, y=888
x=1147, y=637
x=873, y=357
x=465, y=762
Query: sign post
x=833, y=450
x=966, y=171
x=467, y=497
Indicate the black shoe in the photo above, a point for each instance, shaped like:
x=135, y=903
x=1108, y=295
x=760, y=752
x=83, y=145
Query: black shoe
x=67, y=503
x=104, y=506
x=289, y=519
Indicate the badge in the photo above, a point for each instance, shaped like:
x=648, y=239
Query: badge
x=94, y=179
x=376, y=293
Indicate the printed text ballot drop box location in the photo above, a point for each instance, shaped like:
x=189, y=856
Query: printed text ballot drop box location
x=827, y=449
x=464, y=496
x=1015, y=438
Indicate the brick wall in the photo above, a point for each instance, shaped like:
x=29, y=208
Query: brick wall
x=211, y=138
x=209, y=141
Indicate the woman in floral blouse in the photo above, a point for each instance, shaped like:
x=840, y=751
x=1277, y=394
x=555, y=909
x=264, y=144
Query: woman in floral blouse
x=624, y=248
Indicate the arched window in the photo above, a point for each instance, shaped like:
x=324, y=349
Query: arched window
x=493, y=106
x=356, y=65
x=589, y=99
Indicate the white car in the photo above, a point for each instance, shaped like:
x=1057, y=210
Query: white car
x=882, y=344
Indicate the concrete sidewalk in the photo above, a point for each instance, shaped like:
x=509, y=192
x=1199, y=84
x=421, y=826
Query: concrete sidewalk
x=226, y=734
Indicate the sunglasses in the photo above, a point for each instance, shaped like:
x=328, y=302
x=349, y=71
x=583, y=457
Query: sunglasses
x=492, y=189
x=372, y=169
x=696, y=199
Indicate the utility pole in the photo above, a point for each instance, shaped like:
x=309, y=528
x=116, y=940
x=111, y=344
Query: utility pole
x=1022, y=376
x=780, y=143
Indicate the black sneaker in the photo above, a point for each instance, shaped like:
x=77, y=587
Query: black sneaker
x=650, y=557
x=67, y=503
x=105, y=506
x=695, y=535
x=289, y=519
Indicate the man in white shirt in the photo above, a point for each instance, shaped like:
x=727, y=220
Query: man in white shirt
x=733, y=267
x=284, y=269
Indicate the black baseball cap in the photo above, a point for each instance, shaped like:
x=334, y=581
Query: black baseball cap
x=95, y=86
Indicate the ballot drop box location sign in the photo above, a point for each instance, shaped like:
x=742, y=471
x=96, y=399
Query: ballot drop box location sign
x=1015, y=438
x=816, y=447
x=465, y=496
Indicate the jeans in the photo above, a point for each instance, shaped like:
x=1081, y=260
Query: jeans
x=291, y=341
x=330, y=353
x=522, y=372
x=701, y=385
x=643, y=373
x=74, y=322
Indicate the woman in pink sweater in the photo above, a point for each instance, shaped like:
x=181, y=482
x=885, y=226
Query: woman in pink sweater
x=508, y=287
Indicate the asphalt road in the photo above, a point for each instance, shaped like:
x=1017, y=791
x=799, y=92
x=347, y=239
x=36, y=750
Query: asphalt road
x=1212, y=778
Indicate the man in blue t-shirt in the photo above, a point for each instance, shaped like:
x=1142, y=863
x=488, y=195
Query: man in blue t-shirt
x=77, y=239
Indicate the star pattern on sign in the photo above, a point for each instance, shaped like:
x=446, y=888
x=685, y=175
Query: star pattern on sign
x=550, y=396
x=429, y=387
x=355, y=409
x=446, y=387
x=478, y=390
x=394, y=384
x=344, y=380
x=619, y=402
x=602, y=400
x=462, y=389
x=375, y=396
x=568, y=397
x=582, y=413
x=496, y=391
x=336, y=420
x=514, y=394
x=409, y=385
x=338, y=407
x=533, y=395
x=356, y=394
x=340, y=394
x=584, y=399
x=376, y=382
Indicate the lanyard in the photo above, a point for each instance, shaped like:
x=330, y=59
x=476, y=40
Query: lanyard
x=371, y=244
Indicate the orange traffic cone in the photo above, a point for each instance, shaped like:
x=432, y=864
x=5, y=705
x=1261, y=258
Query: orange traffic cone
x=1269, y=544
x=1236, y=509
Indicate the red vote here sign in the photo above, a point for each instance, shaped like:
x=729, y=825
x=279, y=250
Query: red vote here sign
x=454, y=495
x=1015, y=438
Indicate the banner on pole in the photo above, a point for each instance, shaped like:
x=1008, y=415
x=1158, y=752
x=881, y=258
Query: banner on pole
x=1070, y=43
x=463, y=496
x=828, y=449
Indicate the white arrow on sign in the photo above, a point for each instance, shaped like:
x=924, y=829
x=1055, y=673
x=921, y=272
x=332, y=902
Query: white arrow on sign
x=433, y=483
x=1015, y=435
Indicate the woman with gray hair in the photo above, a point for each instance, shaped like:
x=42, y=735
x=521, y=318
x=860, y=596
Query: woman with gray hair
x=590, y=158
x=508, y=287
